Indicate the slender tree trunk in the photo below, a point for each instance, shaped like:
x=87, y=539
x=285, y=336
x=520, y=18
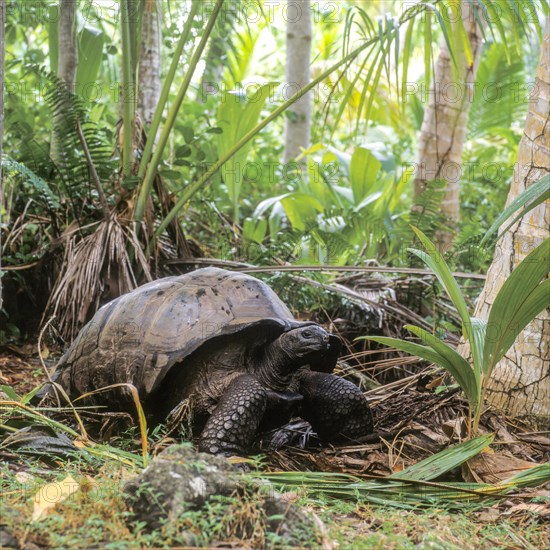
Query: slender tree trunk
x=2, y=73
x=149, y=62
x=68, y=50
x=216, y=56
x=520, y=384
x=298, y=55
x=445, y=121
x=67, y=61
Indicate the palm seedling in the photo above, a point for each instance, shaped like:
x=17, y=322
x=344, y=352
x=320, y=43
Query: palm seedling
x=522, y=297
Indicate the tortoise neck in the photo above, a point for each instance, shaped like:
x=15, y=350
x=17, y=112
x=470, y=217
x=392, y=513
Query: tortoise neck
x=276, y=366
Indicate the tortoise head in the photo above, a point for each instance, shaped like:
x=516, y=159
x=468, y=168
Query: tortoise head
x=305, y=342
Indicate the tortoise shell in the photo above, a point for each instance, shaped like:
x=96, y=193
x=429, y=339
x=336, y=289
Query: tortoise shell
x=140, y=336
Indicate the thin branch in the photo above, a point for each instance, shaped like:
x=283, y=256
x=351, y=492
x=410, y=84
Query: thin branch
x=93, y=172
x=249, y=268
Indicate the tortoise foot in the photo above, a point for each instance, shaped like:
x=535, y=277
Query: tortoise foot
x=336, y=408
x=232, y=427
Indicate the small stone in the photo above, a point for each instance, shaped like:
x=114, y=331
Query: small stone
x=6, y=539
x=179, y=479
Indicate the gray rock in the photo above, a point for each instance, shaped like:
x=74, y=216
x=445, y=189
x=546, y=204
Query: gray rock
x=288, y=522
x=181, y=480
x=7, y=540
x=178, y=480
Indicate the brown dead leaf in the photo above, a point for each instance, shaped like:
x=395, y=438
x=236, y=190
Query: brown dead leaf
x=489, y=515
x=455, y=429
x=45, y=352
x=51, y=494
x=493, y=468
x=503, y=435
x=435, y=382
x=535, y=508
x=538, y=438
x=398, y=467
x=24, y=477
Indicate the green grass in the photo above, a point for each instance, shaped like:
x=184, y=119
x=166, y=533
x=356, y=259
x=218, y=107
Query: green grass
x=365, y=527
x=96, y=516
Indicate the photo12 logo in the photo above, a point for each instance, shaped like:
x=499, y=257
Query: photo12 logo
x=272, y=11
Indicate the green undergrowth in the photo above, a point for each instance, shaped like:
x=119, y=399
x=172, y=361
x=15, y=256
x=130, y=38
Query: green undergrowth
x=360, y=527
x=96, y=516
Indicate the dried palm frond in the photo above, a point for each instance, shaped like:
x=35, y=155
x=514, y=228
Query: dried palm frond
x=60, y=432
x=413, y=486
x=95, y=267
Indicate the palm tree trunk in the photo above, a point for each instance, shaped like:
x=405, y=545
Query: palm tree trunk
x=149, y=62
x=67, y=61
x=2, y=49
x=298, y=54
x=445, y=120
x=520, y=384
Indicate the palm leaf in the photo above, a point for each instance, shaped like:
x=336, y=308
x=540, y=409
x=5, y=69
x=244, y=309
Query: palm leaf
x=407, y=52
x=428, y=50
x=537, y=475
x=520, y=299
x=495, y=103
x=535, y=194
x=434, y=260
x=377, y=62
x=495, y=19
x=411, y=487
x=474, y=329
x=464, y=377
x=455, y=365
x=444, y=461
x=90, y=54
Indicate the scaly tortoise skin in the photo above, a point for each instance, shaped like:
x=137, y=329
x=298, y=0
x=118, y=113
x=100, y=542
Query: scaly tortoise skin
x=225, y=342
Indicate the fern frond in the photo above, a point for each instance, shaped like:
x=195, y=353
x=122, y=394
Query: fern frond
x=68, y=110
x=426, y=211
x=27, y=176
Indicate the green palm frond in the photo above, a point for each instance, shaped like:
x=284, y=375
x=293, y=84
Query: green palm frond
x=412, y=487
x=530, y=198
x=240, y=47
x=497, y=97
x=509, y=23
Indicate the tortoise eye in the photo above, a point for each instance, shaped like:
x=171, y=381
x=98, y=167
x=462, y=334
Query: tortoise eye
x=306, y=334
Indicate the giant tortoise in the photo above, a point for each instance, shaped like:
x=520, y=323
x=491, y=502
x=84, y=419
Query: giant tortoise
x=227, y=345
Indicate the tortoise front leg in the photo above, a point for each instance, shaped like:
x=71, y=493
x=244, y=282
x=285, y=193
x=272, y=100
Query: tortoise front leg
x=245, y=408
x=233, y=425
x=336, y=408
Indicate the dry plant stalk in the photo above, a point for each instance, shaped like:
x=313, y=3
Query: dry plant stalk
x=90, y=265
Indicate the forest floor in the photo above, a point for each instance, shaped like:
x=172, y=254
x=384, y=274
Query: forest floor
x=88, y=509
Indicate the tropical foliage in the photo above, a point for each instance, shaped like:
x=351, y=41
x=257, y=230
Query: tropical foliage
x=95, y=201
x=222, y=154
x=522, y=297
